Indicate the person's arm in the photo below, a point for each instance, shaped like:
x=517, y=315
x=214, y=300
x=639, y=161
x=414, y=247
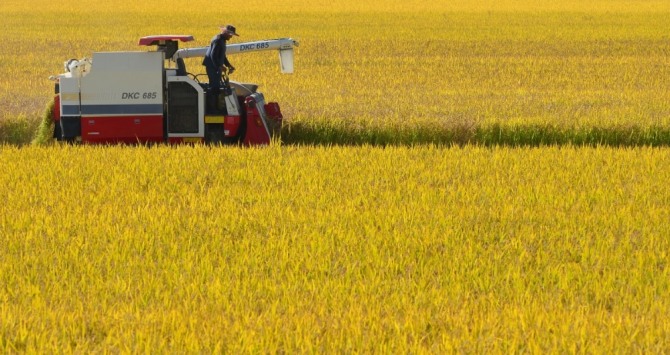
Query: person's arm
x=224, y=58
x=227, y=63
x=216, y=54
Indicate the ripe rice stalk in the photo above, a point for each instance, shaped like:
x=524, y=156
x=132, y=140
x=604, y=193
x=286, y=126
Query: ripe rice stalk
x=45, y=130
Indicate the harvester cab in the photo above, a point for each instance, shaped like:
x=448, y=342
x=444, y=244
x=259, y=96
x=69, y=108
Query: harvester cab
x=145, y=97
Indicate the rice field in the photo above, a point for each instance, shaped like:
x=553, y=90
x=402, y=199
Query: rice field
x=334, y=249
x=453, y=177
x=390, y=72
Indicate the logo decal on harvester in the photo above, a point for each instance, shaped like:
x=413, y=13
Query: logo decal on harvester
x=252, y=46
x=137, y=95
x=130, y=96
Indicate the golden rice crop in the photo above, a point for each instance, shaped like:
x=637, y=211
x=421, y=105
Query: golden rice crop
x=424, y=249
x=352, y=249
x=429, y=69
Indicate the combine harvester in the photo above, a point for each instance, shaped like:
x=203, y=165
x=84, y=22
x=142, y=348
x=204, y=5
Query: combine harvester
x=149, y=97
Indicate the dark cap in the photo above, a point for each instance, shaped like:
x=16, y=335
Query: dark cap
x=229, y=29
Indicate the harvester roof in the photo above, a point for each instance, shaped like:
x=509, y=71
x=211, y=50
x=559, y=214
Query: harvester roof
x=156, y=40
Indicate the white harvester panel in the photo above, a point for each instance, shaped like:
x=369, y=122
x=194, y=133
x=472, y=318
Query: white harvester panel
x=69, y=95
x=123, y=84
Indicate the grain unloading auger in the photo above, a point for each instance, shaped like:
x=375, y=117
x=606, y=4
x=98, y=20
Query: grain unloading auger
x=145, y=97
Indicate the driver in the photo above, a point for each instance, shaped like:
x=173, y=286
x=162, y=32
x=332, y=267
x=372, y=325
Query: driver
x=215, y=61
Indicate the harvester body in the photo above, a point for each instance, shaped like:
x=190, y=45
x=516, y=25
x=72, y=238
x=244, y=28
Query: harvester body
x=149, y=97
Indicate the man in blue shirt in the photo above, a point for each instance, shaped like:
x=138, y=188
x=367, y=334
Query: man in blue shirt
x=215, y=61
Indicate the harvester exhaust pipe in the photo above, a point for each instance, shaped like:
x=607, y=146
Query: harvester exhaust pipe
x=283, y=45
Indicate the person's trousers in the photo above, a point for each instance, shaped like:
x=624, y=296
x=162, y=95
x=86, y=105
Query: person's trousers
x=214, y=75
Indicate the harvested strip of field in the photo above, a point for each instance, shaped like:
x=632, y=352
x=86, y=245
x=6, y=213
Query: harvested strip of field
x=496, y=134
x=194, y=249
